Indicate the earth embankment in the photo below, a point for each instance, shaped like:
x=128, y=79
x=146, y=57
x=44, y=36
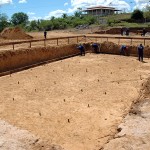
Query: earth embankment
x=13, y=59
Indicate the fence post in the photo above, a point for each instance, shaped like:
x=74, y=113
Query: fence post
x=44, y=42
x=85, y=38
x=68, y=40
x=77, y=39
x=13, y=46
x=30, y=44
x=57, y=41
x=131, y=41
x=118, y=41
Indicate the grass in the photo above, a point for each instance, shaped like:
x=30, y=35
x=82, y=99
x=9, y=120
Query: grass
x=122, y=20
x=119, y=17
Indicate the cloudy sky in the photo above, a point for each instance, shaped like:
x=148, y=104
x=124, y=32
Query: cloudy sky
x=44, y=9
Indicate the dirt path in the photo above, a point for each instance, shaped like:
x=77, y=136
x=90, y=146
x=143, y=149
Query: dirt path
x=77, y=103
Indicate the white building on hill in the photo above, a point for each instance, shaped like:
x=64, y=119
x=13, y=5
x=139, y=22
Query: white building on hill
x=99, y=11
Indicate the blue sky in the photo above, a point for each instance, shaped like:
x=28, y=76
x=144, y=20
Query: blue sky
x=44, y=9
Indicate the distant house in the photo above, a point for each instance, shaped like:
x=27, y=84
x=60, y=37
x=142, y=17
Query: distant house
x=99, y=11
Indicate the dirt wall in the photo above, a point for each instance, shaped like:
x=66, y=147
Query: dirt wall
x=118, y=30
x=14, y=59
x=112, y=48
x=23, y=57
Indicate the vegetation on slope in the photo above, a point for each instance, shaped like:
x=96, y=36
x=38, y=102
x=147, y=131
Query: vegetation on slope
x=137, y=18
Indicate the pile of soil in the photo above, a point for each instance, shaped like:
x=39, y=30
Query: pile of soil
x=109, y=31
x=118, y=30
x=14, y=33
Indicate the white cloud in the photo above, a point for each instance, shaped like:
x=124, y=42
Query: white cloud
x=34, y=18
x=118, y=4
x=75, y=4
x=22, y=1
x=65, y=4
x=140, y=4
x=72, y=10
x=121, y=5
x=31, y=13
x=2, y=2
x=56, y=13
x=141, y=1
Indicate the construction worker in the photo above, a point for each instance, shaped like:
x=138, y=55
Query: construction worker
x=140, y=52
x=45, y=34
x=96, y=47
x=143, y=32
x=82, y=49
x=123, y=50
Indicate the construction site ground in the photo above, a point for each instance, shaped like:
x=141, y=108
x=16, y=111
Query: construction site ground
x=79, y=103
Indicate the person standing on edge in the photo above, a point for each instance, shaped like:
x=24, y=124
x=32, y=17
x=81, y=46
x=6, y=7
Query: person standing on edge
x=143, y=32
x=140, y=52
x=45, y=34
x=82, y=49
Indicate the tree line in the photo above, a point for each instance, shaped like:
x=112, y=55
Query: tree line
x=21, y=19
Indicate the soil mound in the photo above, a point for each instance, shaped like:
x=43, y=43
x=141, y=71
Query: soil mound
x=109, y=31
x=15, y=33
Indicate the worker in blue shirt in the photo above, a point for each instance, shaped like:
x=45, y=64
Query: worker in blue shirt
x=82, y=49
x=96, y=47
x=123, y=50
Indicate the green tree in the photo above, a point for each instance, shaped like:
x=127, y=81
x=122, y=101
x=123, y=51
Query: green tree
x=46, y=25
x=147, y=12
x=34, y=25
x=3, y=21
x=64, y=16
x=137, y=15
x=19, y=19
x=52, y=18
x=78, y=13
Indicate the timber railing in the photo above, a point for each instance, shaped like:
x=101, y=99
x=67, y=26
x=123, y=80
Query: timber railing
x=129, y=40
x=45, y=41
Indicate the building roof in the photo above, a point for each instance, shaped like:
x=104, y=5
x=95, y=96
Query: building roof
x=100, y=7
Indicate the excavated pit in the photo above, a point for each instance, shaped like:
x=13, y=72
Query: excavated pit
x=76, y=103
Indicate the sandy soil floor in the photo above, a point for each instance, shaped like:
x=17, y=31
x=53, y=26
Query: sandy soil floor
x=77, y=103
x=135, y=130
